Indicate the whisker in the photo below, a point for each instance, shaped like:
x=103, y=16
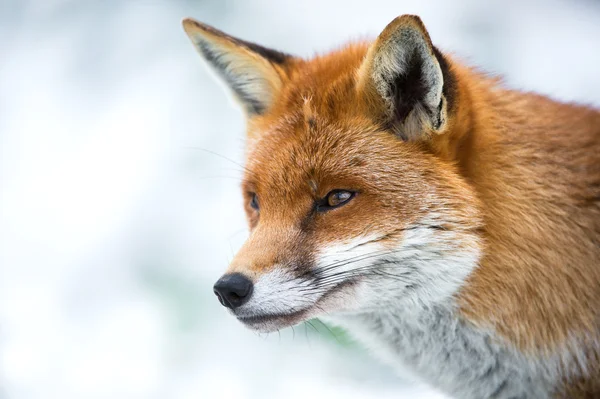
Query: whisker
x=313, y=327
x=329, y=329
x=377, y=264
x=223, y=157
x=236, y=178
x=324, y=285
x=237, y=232
x=346, y=262
x=335, y=264
x=306, y=334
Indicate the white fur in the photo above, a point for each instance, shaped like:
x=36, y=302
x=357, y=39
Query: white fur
x=360, y=251
x=392, y=58
x=412, y=322
x=390, y=61
x=419, y=329
x=240, y=73
x=278, y=292
x=431, y=266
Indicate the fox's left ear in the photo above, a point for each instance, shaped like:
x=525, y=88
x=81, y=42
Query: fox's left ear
x=407, y=81
x=254, y=73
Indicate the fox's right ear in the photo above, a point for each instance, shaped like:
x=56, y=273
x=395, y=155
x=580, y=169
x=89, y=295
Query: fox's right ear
x=407, y=81
x=255, y=74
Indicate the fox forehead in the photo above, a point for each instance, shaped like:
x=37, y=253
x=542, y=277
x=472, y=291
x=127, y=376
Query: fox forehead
x=313, y=158
x=315, y=149
x=319, y=134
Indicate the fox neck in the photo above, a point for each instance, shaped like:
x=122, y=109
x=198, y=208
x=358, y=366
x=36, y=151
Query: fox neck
x=447, y=351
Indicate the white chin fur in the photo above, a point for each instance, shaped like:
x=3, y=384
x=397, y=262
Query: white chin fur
x=426, y=267
x=280, y=300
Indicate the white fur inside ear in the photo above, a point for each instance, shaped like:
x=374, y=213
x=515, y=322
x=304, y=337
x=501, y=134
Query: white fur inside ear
x=252, y=80
x=405, y=49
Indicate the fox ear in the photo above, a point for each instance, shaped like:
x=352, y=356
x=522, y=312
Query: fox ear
x=253, y=73
x=406, y=80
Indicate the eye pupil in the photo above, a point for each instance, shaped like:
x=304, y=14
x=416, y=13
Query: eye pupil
x=338, y=198
x=334, y=199
x=254, y=202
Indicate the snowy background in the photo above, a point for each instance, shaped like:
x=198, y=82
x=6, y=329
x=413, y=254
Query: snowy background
x=115, y=221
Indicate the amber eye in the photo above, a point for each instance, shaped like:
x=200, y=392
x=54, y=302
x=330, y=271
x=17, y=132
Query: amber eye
x=335, y=199
x=254, y=202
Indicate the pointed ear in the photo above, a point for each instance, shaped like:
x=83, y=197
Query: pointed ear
x=407, y=81
x=255, y=74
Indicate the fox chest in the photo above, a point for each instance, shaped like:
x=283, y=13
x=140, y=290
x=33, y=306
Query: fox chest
x=451, y=355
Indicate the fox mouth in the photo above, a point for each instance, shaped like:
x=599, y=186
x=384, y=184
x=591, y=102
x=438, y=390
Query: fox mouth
x=274, y=321
x=269, y=322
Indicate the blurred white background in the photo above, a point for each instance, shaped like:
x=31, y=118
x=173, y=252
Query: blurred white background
x=115, y=221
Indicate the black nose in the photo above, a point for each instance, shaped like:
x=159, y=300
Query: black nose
x=233, y=290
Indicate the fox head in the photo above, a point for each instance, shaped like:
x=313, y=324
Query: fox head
x=353, y=189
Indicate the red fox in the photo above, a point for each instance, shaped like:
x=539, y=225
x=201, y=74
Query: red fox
x=449, y=223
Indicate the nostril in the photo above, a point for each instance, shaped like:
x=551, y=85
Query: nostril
x=233, y=290
x=219, y=297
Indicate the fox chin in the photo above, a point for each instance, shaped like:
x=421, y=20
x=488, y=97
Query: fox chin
x=449, y=223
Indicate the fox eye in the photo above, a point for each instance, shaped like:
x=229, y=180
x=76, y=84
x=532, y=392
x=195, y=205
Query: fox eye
x=335, y=199
x=254, y=202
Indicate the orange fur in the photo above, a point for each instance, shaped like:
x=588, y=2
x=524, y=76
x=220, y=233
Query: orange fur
x=519, y=170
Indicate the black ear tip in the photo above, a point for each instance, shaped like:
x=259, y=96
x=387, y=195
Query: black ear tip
x=189, y=24
x=193, y=27
x=406, y=27
x=408, y=21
